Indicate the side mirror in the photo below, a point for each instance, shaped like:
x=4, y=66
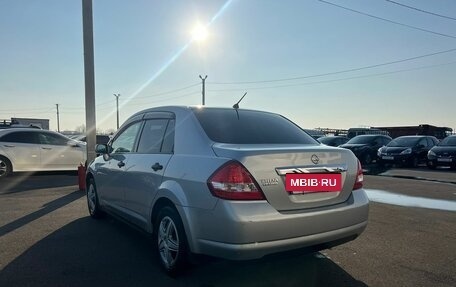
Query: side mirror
x=101, y=149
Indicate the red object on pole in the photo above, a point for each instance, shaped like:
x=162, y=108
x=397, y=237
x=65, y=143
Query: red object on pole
x=82, y=177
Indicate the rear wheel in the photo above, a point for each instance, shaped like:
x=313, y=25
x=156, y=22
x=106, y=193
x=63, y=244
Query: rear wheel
x=171, y=242
x=5, y=167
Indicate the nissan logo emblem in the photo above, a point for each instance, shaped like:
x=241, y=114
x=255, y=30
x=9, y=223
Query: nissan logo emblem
x=315, y=159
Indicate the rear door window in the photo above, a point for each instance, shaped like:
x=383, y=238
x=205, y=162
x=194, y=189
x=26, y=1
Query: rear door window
x=168, y=140
x=250, y=127
x=52, y=139
x=151, y=140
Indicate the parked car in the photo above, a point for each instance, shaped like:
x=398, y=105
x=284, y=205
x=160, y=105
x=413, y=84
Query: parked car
x=314, y=133
x=100, y=139
x=10, y=126
x=30, y=149
x=333, y=140
x=212, y=181
x=407, y=150
x=365, y=147
x=443, y=154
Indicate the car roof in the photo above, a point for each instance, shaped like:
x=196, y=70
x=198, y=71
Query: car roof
x=190, y=108
x=26, y=129
x=416, y=136
x=19, y=129
x=10, y=130
x=371, y=135
x=333, y=137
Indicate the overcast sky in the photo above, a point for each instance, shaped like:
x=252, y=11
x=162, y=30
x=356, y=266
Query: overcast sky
x=318, y=64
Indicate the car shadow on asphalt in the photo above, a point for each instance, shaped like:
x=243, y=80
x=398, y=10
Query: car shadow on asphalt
x=21, y=182
x=106, y=252
x=46, y=209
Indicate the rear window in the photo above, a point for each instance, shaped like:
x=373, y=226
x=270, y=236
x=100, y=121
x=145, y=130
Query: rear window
x=20, y=137
x=250, y=127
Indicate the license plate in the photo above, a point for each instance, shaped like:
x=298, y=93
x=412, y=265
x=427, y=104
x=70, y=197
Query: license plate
x=388, y=157
x=298, y=183
x=444, y=159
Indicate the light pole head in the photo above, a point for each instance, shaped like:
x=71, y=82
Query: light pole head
x=202, y=77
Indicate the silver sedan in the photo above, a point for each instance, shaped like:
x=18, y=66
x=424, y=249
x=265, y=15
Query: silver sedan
x=232, y=183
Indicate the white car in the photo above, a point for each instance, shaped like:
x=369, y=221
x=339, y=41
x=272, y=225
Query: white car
x=24, y=149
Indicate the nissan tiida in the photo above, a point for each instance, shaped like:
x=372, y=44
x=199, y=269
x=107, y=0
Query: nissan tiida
x=215, y=181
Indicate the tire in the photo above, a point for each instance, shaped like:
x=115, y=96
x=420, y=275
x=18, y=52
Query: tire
x=5, y=167
x=170, y=241
x=92, y=200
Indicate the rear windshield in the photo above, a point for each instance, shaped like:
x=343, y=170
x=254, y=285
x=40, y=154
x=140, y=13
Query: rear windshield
x=250, y=127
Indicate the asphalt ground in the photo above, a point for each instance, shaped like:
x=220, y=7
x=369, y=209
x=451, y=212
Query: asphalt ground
x=48, y=239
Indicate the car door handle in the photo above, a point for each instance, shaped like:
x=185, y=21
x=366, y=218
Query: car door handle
x=7, y=145
x=120, y=164
x=157, y=166
x=46, y=148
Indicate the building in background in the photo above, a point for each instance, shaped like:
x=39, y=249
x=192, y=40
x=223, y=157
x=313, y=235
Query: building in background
x=25, y=122
x=424, y=129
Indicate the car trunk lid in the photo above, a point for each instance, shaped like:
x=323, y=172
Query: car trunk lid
x=269, y=165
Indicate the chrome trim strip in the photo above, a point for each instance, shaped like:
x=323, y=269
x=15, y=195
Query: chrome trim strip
x=321, y=169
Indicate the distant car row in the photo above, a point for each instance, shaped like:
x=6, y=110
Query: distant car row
x=404, y=150
x=31, y=149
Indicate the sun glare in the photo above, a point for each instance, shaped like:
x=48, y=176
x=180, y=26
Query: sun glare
x=199, y=33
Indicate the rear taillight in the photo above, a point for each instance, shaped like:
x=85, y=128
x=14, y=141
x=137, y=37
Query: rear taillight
x=359, y=177
x=232, y=181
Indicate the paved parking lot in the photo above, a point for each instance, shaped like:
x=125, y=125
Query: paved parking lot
x=47, y=239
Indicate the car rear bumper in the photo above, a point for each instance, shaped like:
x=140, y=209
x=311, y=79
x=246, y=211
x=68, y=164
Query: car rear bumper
x=256, y=250
x=250, y=230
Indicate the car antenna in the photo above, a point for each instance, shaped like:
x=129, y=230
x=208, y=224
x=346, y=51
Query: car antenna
x=236, y=105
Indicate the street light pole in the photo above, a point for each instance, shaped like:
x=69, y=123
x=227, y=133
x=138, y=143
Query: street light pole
x=89, y=78
x=204, y=88
x=58, y=118
x=117, y=105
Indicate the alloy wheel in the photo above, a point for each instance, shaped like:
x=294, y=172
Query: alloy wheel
x=168, y=242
